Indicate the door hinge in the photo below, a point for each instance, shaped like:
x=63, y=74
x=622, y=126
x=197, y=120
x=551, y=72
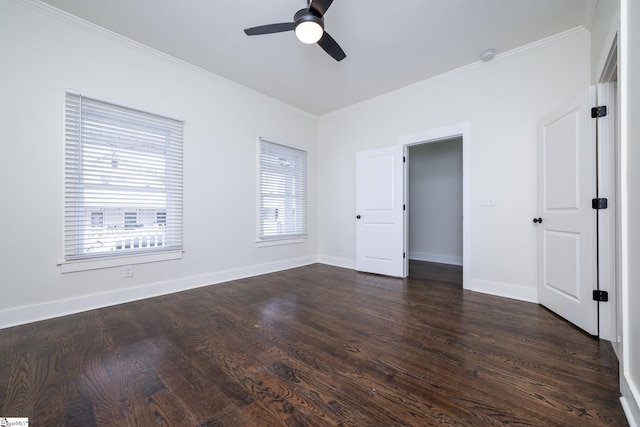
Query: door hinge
x=404, y=207
x=404, y=255
x=599, y=111
x=601, y=296
x=599, y=203
x=404, y=159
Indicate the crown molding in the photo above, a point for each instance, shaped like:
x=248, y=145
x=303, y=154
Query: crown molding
x=112, y=36
x=466, y=69
x=127, y=42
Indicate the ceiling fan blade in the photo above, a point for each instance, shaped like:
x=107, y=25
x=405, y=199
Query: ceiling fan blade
x=331, y=47
x=269, y=29
x=320, y=7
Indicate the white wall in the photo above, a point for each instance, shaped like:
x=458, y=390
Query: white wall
x=435, y=202
x=501, y=100
x=43, y=54
x=630, y=90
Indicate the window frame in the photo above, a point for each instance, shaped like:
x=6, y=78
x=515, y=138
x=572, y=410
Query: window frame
x=77, y=185
x=289, y=238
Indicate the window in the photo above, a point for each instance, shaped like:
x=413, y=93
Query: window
x=123, y=180
x=282, y=183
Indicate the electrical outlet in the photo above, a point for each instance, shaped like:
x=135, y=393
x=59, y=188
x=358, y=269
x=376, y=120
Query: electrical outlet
x=128, y=271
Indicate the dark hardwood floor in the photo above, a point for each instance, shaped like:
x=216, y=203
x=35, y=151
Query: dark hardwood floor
x=316, y=345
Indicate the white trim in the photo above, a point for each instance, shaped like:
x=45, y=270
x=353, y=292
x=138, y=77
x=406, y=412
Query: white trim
x=99, y=31
x=630, y=405
x=628, y=387
x=500, y=57
x=507, y=290
x=118, y=261
x=33, y=313
x=107, y=34
x=606, y=218
x=276, y=242
x=337, y=261
x=440, y=259
x=434, y=135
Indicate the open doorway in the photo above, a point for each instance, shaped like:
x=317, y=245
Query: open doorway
x=435, y=202
x=437, y=192
x=382, y=227
x=435, y=209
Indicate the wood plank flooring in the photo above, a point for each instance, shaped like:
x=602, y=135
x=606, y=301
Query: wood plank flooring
x=312, y=346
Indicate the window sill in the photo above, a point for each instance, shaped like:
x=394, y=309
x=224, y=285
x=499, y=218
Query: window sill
x=278, y=242
x=96, y=264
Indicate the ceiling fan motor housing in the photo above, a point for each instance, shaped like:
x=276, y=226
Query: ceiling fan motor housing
x=307, y=15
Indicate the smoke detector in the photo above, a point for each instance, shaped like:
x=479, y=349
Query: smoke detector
x=488, y=55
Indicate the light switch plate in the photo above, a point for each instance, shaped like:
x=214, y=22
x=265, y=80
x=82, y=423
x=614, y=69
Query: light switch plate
x=488, y=202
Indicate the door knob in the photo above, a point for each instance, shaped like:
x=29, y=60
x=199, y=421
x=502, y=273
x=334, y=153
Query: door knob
x=358, y=217
x=537, y=220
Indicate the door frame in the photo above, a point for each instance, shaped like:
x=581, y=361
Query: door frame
x=460, y=130
x=609, y=185
x=607, y=228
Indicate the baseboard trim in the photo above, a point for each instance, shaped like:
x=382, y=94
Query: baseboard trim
x=485, y=286
x=440, y=259
x=617, y=349
x=506, y=290
x=337, y=261
x=629, y=402
x=34, y=313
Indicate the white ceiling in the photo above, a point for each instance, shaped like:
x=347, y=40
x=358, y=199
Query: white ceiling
x=389, y=44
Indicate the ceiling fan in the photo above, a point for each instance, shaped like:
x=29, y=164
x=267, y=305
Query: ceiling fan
x=308, y=25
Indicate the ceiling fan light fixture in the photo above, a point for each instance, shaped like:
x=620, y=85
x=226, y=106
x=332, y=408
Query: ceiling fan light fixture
x=308, y=27
x=308, y=24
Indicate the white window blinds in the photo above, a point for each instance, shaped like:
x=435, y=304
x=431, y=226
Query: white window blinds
x=123, y=180
x=282, y=194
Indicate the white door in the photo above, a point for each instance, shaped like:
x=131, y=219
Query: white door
x=567, y=251
x=379, y=211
